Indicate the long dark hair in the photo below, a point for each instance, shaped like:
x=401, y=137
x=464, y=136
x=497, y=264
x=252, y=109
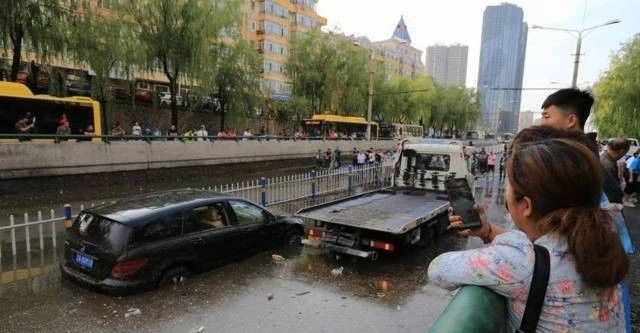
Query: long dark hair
x=563, y=179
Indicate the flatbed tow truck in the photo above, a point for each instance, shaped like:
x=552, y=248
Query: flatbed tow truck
x=411, y=212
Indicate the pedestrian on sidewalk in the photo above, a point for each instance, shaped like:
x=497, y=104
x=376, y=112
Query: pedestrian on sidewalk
x=616, y=149
x=502, y=165
x=136, y=130
x=491, y=163
x=361, y=159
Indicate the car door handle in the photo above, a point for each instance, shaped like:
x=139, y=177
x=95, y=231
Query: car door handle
x=197, y=241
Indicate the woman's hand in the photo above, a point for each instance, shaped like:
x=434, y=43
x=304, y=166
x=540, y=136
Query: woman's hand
x=484, y=232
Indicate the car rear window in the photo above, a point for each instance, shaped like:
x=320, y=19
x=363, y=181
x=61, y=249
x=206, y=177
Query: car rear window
x=109, y=235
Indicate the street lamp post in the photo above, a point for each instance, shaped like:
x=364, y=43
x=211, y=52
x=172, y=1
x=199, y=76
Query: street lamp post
x=578, y=34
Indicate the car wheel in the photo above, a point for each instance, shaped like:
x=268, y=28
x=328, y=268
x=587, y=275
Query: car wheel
x=173, y=275
x=293, y=237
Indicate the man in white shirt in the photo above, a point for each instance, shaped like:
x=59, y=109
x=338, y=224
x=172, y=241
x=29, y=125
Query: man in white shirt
x=361, y=158
x=136, y=130
x=202, y=133
x=246, y=135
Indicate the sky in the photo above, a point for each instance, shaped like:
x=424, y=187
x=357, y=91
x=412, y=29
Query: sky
x=549, y=55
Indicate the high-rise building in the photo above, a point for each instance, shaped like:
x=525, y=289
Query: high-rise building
x=269, y=25
x=502, y=54
x=447, y=65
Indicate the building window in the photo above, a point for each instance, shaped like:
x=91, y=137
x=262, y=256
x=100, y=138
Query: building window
x=273, y=47
x=275, y=9
x=305, y=20
x=271, y=66
x=276, y=29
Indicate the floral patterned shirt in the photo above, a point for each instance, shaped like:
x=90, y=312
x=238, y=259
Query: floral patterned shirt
x=506, y=267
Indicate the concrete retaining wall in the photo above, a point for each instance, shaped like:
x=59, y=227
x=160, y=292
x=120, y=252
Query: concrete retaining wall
x=27, y=159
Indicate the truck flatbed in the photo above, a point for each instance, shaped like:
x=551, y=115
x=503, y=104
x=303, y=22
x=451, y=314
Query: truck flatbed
x=391, y=210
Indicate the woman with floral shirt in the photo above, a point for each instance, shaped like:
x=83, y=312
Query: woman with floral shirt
x=553, y=198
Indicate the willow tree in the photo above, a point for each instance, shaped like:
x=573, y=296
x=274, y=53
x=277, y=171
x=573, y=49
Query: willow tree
x=350, y=86
x=103, y=44
x=232, y=76
x=174, y=35
x=617, y=111
x=311, y=68
x=36, y=26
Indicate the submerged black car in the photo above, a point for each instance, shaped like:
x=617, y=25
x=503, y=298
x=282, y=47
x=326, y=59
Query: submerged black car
x=137, y=243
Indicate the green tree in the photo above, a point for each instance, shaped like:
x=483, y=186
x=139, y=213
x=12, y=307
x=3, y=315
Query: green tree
x=617, y=110
x=232, y=75
x=35, y=26
x=101, y=43
x=350, y=87
x=174, y=35
x=402, y=99
x=452, y=109
x=329, y=72
x=310, y=67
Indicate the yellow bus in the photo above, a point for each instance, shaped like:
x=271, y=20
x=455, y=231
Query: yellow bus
x=46, y=112
x=321, y=125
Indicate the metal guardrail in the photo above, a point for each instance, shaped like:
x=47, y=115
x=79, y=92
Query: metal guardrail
x=474, y=309
x=265, y=191
x=149, y=138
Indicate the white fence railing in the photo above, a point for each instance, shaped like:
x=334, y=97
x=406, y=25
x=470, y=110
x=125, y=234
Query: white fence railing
x=265, y=191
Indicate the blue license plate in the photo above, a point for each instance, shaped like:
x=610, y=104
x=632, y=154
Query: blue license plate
x=84, y=261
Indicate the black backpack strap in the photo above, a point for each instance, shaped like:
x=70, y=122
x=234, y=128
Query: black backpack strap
x=537, y=291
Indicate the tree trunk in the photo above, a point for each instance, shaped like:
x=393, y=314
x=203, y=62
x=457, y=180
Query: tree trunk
x=103, y=111
x=173, y=87
x=174, y=106
x=16, y=40
x=223, y=114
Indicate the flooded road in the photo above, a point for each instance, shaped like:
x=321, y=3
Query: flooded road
x=255, y=294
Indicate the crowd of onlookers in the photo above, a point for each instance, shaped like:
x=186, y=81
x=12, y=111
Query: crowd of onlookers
x=332, y=159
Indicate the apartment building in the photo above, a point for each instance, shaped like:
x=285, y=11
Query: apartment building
x=270, y=25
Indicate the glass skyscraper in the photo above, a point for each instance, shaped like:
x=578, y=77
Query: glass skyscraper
x=502, y=54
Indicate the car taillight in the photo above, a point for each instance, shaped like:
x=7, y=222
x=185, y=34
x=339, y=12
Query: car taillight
x=316, y=233
x=125, y=269
x=381, y=245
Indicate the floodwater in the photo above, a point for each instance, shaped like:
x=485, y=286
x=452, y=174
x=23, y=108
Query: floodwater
x=255, y=294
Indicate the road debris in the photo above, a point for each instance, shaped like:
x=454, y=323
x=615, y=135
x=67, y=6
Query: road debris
x=337, y=271
x=270, y=296
x=132, y=312
x=277, y=258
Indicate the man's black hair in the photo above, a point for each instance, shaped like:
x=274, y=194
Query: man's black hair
x=572, y=100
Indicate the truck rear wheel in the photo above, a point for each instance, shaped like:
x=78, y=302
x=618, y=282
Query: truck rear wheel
x=427, y=236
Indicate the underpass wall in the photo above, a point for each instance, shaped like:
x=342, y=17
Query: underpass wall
x=31, y=159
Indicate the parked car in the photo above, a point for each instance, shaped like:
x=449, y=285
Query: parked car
x=138, y=243
x=119, y=92
x=165, y=99
x=79, y=88
x=143, y=92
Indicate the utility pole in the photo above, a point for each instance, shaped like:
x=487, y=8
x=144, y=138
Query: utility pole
x=576, y=63
x=369, y=109
x=577, y=34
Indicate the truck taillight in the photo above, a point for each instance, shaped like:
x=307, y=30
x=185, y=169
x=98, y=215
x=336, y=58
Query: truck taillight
x=125, y=269
x=381, y=245
x=316, y=233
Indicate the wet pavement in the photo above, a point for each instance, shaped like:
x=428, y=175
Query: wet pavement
x=255, y=294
